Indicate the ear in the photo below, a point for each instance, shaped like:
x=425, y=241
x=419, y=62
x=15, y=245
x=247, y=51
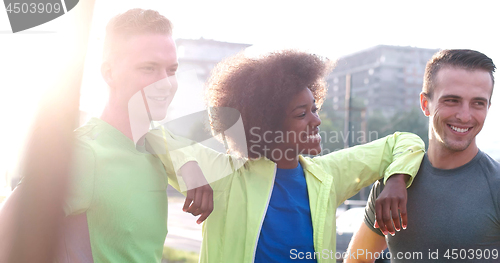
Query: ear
x=424, y=104
x=106, y=73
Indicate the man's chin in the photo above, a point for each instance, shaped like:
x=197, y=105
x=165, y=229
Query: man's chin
x=158, y=116
x=458, y=146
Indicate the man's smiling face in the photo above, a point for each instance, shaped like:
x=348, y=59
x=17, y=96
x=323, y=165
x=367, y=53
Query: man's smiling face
x=146, y=62
x=458, y=107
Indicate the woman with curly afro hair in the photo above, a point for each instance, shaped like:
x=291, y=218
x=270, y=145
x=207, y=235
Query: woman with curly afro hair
x=261, y=90
x=280, y=206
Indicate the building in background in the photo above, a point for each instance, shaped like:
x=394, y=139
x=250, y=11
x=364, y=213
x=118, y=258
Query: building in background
x=383, y=78
x=385, y=83
x=202, y=54
x=197, y=58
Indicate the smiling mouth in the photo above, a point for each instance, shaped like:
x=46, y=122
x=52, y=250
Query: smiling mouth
x=313, y=137
x=460, y=130
x=157, y=98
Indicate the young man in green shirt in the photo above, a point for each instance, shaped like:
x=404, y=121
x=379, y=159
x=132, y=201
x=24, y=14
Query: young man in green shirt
x=116, y=203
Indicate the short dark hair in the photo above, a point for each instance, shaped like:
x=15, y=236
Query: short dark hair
x=458, y=58
x=133, y=22
x=260, y=88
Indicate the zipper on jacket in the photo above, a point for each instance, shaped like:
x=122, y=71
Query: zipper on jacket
x=265, y=212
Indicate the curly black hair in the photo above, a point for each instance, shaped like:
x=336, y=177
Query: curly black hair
x=260, y=88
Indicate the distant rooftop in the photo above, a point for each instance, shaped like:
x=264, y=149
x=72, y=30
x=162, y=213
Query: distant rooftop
x=388, y=47
x=199, y=41
x=206, y=50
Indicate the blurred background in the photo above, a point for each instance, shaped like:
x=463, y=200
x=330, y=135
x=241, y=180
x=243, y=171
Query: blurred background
x=381, y=47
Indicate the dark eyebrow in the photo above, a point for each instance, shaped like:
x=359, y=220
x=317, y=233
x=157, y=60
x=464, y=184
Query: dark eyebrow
x=149, y=62
x=458, y=97
x=298, y=107
x=450, y=97
x=172, y=67
x=480, y=99
x=303, y=106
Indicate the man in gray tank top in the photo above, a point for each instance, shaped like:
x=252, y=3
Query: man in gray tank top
x=454, y=203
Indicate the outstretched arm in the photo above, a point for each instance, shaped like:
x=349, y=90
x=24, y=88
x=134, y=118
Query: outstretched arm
x=357, y=167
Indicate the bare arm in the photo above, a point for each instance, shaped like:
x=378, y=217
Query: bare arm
x=8, y=218
x=199, y=197
x=363, y=241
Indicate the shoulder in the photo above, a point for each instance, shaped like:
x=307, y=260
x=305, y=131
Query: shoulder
x=83, y=148
x=89, y=131
x=95, y=138
x=489, y=165
x=84, y=153
x=491, y=170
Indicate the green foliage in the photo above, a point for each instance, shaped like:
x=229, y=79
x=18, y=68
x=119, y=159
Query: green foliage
x=413, y=121
x=331, y=121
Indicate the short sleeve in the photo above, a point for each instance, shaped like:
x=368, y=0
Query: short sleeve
x=81, y=181
x=370, y=207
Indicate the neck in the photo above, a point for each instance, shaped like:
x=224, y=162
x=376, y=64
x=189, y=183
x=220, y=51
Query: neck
x=121, y=120
x=444, y=158
x=288, y=159
x=287, y=164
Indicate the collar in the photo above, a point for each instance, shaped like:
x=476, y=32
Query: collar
x=312, y=167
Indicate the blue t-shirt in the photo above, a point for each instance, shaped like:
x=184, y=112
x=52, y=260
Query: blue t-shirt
x=287, y=227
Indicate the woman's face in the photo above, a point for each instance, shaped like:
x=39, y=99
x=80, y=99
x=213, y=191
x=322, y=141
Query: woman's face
x=300, y=127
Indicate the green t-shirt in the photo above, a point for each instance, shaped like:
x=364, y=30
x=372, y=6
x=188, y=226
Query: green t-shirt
x=117, y=203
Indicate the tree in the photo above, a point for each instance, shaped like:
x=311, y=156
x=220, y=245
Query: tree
x=413, y=121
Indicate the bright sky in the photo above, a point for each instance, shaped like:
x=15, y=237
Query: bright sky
x=29, y=60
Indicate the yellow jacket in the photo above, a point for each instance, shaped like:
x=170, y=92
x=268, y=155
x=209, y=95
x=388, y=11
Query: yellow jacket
x=242, y=192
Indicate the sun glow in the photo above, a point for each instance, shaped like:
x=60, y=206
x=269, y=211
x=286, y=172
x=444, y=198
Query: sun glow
x=31, y=61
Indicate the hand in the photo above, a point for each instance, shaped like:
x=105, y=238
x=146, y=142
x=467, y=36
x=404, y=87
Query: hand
x=199, y=198
x=390, y=204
